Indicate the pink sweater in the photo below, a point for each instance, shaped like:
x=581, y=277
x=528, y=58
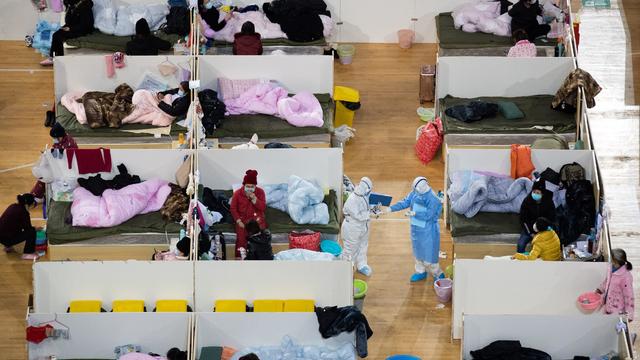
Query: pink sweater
x=618, y=290
x=523, y=48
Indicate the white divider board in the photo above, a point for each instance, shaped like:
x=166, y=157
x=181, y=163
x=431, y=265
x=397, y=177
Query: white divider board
x=499, y=160
x=220, y=169
x=328, y=283
x=242, y=330
x=94, y=336
x=486, y=287
x=55, y=284
x=469, y=77
x=147, y=163
x=88, y=72
x=560, y=336
x=296, y=73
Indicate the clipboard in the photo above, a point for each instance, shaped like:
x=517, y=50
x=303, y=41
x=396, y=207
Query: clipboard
x=379, y=199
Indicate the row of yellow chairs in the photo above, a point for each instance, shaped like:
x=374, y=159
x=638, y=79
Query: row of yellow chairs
x=95, y=306
x=265, y=306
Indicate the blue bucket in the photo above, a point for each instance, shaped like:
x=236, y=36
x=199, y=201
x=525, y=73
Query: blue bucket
x=331, y=247
x=403, y=357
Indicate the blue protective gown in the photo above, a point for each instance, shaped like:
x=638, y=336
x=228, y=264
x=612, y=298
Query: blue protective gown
x=425, y=230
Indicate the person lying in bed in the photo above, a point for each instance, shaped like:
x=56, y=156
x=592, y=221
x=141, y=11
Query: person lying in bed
x=538, y=204
x=546, y=243
x=78, y=21
x=211, y=15
x=15, y=227
x=247, y=41
x=180, y=100
x=524, y=16
x=144, y=43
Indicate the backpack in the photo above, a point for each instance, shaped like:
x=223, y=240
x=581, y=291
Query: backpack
x=213, y=109
x=260, y=246
x=569, y=173
x=178, y=21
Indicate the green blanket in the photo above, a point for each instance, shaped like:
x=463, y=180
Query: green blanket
x=68, y=120
x=267, y=126
x=537, y=111
x=58, y=232
x=277, y=42
x=281, y=223
x=484, y=223
x=451, y=38
x=112, y=43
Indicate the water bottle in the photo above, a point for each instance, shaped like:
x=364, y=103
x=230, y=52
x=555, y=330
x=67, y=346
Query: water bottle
x=559, y=50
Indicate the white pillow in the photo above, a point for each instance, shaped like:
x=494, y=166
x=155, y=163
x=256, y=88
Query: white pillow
x=104, y=16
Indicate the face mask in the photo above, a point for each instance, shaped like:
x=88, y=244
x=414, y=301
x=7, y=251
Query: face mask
x=208, y=5
x=55, y=141
x=422, y=187
x=536, y=197
x=181, y=92
x=249, y=189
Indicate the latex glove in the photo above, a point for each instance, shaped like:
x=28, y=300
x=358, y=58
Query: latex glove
x=410, y=213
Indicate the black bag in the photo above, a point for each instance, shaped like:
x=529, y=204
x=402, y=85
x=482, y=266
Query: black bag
x=178, y=21
x=565, y=107
x=580, y=214
x=551, y=176
x=213, y=110
x=260, y=246
x=217, y=201
x=50, y=119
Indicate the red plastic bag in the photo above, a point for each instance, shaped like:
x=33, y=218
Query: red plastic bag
x=309, y=240
x=429, y=140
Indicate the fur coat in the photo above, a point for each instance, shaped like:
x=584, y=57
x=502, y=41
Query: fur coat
x=107, y=109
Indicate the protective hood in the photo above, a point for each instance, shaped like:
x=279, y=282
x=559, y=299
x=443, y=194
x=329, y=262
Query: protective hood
x=364, y=187
x=421, y=185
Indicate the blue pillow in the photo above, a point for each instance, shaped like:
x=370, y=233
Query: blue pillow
x=510, y=110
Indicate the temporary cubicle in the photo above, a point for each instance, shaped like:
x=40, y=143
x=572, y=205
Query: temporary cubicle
x=134, y=239
x=530, y=83
x=296, y=73
x=497, y=233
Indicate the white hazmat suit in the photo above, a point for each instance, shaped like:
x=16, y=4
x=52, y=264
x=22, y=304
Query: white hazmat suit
x=355, y=226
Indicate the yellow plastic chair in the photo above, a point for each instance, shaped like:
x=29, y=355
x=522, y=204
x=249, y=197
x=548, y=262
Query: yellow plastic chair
x=299, y=306
x=128, y=306
x=268, y=306
x=85, y=306
x=171, y=306
x=230, y=306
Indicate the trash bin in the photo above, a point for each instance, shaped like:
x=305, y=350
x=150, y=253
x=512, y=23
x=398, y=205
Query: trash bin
x=347, y=102
x=345, y=53
x=405, y=38
x=359, y=292
x=427, y=83
x=443, y=289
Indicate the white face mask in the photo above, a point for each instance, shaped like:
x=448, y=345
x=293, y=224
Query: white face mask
x=249, y=189
x=181, y=92
x=535, y=228
x=422, y=187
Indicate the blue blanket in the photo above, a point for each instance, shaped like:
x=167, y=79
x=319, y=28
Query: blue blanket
x=471, y=192
x=291, y=350
x=306, y=204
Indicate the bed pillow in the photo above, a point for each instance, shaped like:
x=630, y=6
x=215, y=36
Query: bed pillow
x=510, y=110
x=104, y=15
x=231, y=89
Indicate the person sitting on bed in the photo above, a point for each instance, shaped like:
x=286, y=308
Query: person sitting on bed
x=538, y=204
x=248, y=203
x=524, y=16
x=247, y=41
x=15, y=227
x=61, y=141
x=211, y=15
x=523, y=47
x=78, y=21
x=545, y=244
x=144, y=43
x=180, y=100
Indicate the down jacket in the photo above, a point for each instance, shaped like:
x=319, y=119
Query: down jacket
x=107, y=109
x=546, y=246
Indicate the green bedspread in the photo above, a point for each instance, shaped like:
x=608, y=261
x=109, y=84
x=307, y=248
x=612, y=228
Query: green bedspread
x=536, y=108
x=277, y=42
x=100, y=41
x=68, y=120
x=451, y=38
x=58, y=232
x=484, y=223
x=280, y=222
x=267, y=126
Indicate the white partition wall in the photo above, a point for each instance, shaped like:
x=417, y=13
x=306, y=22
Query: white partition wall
x=242, y=330
x=55, y=284
x=94, y=336
x=312, y=73
x=220, y=169
x=468, y=77
x=88, y=72
x=560, y=336
x=485, y=287
x=328, y=283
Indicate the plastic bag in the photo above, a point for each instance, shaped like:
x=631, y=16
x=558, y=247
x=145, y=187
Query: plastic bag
x=428, y=140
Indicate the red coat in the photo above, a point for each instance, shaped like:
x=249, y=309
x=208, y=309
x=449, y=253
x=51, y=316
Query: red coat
x=247, y=44
x=242, y=208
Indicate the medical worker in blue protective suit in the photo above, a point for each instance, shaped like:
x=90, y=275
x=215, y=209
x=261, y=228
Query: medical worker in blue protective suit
x=424, y=211
x=355, y=226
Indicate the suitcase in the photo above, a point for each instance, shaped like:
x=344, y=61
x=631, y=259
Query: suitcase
x=427, y=83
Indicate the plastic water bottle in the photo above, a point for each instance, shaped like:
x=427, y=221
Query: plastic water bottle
x=559, y=50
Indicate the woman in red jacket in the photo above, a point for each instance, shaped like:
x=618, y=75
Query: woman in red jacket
x=247, y=41
x=248, y=203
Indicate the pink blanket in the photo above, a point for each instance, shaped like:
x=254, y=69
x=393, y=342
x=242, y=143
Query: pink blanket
x=301, y=110
x=117, y=206
x=146, y=110
x=259, y=99
x=69, y=100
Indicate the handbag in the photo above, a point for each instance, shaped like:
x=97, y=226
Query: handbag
x=309, y=240
x=428, y=140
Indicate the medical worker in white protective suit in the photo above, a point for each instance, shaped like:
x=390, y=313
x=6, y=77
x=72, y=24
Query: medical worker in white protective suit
x=424, y=211
x=355, y=226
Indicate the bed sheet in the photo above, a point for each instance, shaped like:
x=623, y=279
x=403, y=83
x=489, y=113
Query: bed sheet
x=484, y=223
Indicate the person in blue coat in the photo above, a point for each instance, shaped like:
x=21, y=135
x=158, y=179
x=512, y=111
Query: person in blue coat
x=424, y=211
